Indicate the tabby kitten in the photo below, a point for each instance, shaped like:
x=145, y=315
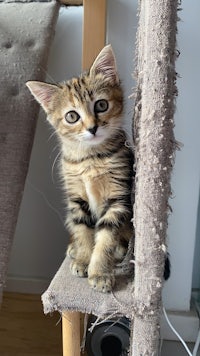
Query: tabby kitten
x=96, y=167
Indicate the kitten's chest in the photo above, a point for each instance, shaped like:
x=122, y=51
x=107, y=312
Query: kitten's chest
x=90, y=181
x=92, y=195
x=94, y=180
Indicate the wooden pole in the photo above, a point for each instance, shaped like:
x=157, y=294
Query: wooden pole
x=71, y=333
x=94, y=30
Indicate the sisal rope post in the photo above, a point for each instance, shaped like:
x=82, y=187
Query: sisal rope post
x=154, y=153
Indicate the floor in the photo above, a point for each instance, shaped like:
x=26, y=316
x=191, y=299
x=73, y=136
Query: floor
x=25, y=330
x=172, y=348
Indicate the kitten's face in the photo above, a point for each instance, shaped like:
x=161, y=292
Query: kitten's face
x=86, y=109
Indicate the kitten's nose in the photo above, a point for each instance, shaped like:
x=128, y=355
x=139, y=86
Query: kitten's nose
x=93, y=129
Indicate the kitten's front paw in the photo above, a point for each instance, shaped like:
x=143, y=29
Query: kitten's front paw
x=103, y=283
x=79, y=269
x=120, y=252
x=71, y=251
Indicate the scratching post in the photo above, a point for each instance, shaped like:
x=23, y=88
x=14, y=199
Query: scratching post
x=154, y=152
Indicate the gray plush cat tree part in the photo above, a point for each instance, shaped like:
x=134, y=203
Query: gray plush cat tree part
x=25, y=40
x=154, y=151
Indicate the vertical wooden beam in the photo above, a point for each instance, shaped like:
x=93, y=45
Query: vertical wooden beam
x=71, y=333
x=94, y=33
x=94, y=30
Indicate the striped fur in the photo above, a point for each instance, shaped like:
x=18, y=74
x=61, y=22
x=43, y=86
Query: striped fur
x=96, y=167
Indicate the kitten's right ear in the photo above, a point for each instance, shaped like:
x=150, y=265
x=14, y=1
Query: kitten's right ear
x=43, y=93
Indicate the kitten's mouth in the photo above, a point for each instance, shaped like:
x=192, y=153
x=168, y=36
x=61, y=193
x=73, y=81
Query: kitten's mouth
x=97, y=138
x=94, y=139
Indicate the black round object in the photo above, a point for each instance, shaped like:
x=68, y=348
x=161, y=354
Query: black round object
x=110, y=338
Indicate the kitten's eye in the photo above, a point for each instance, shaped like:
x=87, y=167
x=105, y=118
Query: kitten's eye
x=101, y=106
x=72, y=117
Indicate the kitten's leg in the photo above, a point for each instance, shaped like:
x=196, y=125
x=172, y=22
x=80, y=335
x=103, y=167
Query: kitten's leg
x=107, y=247
x=81, y=225
x=100, y=270
x=80, y=250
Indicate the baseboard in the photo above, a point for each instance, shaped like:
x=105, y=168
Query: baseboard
x=185, y=323
x=26, y=285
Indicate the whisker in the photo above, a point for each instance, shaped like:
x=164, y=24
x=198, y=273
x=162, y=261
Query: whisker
x=53, y=166
x=52, y=135
x=43, y=195
x=48, y=75
x=55, y=147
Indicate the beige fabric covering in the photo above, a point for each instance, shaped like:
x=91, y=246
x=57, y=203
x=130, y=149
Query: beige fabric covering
x=67, y=292
x=155, y=147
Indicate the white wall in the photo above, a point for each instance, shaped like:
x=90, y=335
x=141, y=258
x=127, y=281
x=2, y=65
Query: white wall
x=186, y=176
x=196, y=265
x=40, y=239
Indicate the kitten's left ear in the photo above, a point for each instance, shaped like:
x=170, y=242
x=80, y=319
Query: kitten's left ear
x=105, y=64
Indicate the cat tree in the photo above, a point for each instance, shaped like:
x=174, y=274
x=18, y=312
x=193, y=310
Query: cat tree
x=154, y=151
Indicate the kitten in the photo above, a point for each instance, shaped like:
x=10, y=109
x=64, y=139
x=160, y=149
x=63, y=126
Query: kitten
x=96, y=167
